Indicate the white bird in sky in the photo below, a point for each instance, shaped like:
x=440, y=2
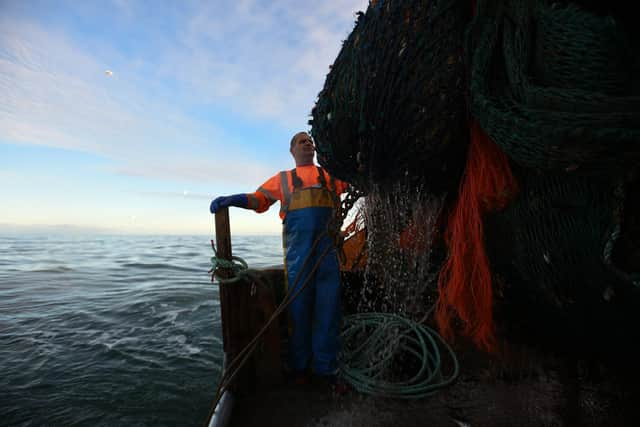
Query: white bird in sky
x=109, y=73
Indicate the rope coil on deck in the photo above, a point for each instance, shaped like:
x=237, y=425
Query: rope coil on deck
x=374, y=343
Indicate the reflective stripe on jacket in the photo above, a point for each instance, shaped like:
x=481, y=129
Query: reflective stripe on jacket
x=281, y=187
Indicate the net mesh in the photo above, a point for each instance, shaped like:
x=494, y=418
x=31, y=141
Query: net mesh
x=553, y=85
x=392, y=104
x=556, y=88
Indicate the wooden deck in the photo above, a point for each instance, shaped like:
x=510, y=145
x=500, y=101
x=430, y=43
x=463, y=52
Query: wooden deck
x=528, y=388
x=547, y=392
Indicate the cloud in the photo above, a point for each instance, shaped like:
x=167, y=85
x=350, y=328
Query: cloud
x=264, y=59
x=264, y=62
x=221, y=172
x=46, y=102
x=184, y=194
x=54, y=94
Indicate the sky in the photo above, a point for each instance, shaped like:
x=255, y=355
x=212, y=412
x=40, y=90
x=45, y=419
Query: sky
x=130, y=116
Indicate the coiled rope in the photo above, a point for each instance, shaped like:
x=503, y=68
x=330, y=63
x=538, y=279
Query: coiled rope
x=374, y=344
x=236, y=265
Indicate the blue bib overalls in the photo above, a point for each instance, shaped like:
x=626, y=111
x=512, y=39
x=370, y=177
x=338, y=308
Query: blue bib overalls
x=315, y=314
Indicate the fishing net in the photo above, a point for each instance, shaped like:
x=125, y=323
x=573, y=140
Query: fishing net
x=393, y=103
x=401, y=272
x=555, y=86
x=553, y=249
x=562, y=223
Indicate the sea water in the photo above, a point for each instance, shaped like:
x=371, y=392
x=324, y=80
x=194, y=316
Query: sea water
x=112, y=330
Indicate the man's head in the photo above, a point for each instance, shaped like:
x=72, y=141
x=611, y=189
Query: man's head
x=302, y=149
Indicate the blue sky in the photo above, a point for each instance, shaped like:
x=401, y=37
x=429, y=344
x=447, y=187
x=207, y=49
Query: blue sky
x=202, y=101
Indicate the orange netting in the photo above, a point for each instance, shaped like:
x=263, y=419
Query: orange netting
x=354, y=246
x=465, y=280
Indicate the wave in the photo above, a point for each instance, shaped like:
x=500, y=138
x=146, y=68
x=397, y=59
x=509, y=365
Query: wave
x=182, y=346
x=54, y=269
x=158, y=266
x=88, y=325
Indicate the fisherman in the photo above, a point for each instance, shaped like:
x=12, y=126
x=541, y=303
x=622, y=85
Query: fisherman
x=308, y=199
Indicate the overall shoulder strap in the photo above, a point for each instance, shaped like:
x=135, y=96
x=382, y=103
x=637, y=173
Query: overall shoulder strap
x=332, y=189
x=321, y=178
x=295, y=180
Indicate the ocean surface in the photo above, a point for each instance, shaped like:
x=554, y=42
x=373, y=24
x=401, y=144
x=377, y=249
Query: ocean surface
x=112, y=330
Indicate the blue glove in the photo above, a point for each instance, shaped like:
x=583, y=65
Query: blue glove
x=237, y=200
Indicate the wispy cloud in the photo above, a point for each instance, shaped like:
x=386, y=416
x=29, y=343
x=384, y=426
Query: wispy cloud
x=264, y=59
x=194, y=170
x=184, y=194
x=78, y=107
x=258, y=60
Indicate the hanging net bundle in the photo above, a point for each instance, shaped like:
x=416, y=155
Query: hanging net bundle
x=548, y=93
x=555, y=86
x=393, y=102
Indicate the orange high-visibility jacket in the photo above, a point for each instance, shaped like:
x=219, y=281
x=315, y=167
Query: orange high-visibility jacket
x=280, y=187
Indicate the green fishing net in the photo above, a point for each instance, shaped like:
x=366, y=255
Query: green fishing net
x=393, y=104
x=556, y=85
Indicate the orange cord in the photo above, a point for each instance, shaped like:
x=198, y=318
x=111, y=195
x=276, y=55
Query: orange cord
x=464, y=283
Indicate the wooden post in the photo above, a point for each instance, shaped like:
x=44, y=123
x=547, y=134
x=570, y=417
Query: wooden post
x=223, y=246
x=223, y=237
x=234, y=303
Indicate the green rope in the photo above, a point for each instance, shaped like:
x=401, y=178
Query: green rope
x=374, y=344
x=236, y=265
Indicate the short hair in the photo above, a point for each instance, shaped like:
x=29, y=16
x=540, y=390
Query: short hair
x=293, y=140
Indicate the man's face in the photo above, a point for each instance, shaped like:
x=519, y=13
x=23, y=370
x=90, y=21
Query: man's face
x=303, y=149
